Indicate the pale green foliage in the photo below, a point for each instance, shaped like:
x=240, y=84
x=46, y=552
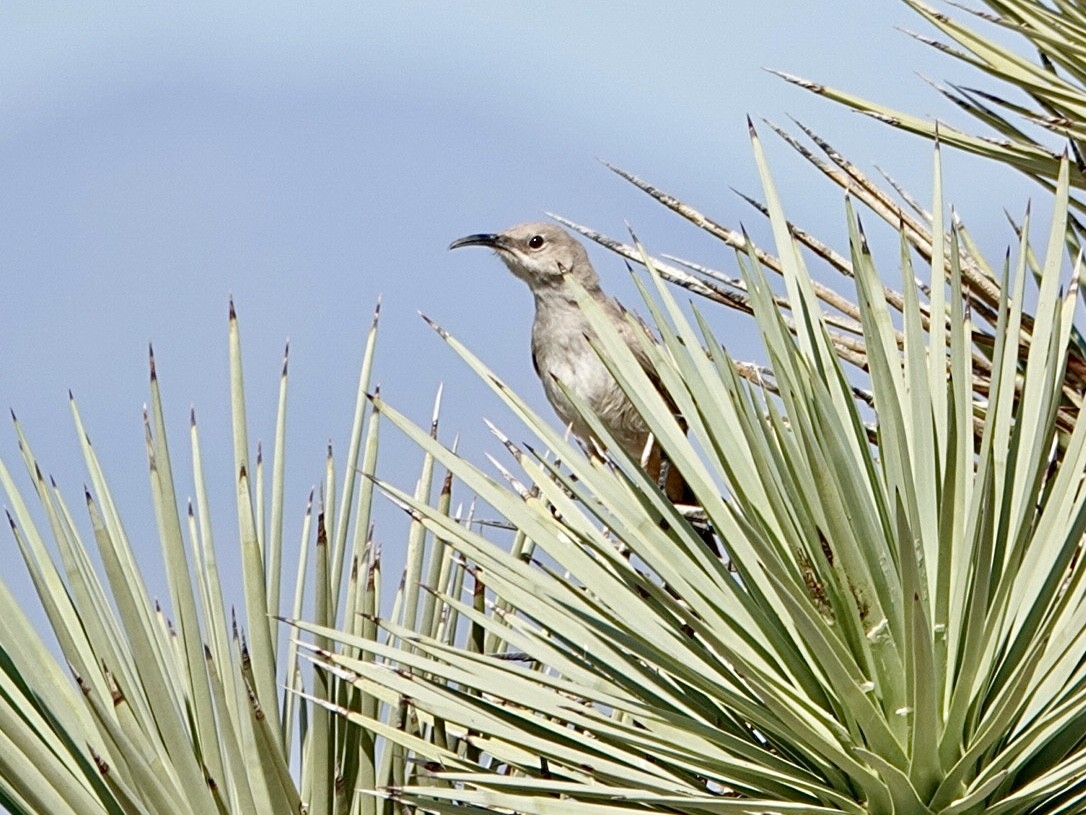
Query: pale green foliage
x=191, y=715
x=898, y=626
x=1053, y=86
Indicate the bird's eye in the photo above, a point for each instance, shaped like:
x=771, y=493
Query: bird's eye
x=536, y=241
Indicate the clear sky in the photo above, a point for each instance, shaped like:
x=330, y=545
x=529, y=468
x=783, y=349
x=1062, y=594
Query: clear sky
x=308, y=158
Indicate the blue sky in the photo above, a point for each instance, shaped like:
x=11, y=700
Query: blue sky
x=309, y=158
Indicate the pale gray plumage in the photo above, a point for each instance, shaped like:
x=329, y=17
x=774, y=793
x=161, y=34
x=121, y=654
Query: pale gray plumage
x=544, y=256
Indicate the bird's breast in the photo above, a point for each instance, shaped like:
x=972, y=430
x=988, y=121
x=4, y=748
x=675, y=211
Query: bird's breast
x=572, y=361
x=563, y=355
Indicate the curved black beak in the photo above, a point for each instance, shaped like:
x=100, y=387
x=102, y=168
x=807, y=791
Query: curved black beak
x=488, y=239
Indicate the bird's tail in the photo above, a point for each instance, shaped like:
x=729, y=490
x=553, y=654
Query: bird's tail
x=678, y=491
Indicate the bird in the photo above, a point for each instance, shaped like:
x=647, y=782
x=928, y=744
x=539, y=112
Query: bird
x=546, y=257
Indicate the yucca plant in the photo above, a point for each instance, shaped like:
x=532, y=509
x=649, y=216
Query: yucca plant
x=195, y=709
x=897, y=625
x=1053, y=87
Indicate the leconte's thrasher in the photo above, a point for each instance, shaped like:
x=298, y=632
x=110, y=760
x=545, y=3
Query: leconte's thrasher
x=545, y=256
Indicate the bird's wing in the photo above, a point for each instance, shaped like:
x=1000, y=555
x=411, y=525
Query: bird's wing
x=619, y=315
x=675, y=487
x=620, y=318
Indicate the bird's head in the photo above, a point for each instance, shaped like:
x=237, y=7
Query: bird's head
x=539, y=254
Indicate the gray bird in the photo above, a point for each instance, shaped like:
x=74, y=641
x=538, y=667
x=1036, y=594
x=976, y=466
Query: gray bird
x=543, y=255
